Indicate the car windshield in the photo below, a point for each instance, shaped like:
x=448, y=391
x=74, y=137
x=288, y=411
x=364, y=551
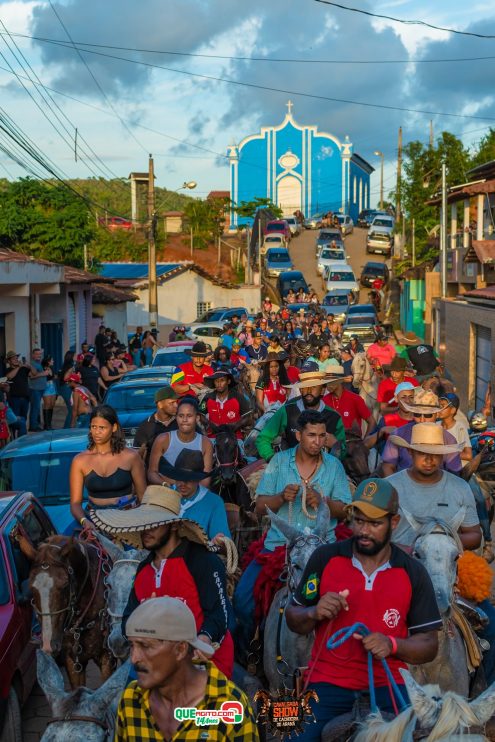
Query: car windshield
x=374, y=270
x=274, y=227
x=329, y=235
x=214, y=315
x=171, y=359
x=278, y=257
x=274, y=238
x=327, y=254
x=382, y=222
x=45, y=475
x=131, y=400
x=360, y=319
x=342, y=276
x=335, y=301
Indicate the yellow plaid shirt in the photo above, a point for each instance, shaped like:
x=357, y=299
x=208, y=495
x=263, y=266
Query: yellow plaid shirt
x=135, y=722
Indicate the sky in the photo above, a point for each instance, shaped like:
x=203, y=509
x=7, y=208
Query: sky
x=186, y=117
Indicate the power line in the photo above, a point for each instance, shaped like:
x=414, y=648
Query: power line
x=406, y=22
x=235, y=58
x=301, y=94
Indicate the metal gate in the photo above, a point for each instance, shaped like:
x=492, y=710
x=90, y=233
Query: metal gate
x=72, y=323
x=483, y=363
x=52, y=334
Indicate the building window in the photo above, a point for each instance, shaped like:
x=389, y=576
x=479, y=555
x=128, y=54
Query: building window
x=355, y=189
x=202, y=307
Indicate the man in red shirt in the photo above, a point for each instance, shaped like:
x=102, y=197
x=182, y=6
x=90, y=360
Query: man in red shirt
x=369, y=580
x=225, y=406
x=390, y=421
x=381, y=353
x=350, y=406
x=386, y=387
x=188, y=374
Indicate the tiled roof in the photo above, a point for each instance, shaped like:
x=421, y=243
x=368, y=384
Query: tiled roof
x=107, y=293
x=76, y=275
x=487, y=293
x=9, y=256
x=482, y=251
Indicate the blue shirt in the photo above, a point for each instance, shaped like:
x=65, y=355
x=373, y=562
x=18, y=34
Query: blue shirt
x=227, y=341
x=38, y=384
x=207, y=509
x=330, y=481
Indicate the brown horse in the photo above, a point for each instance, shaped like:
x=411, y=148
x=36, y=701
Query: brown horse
x=67, y=583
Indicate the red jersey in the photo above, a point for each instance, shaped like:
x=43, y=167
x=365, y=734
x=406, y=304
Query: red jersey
x=350, y=406
x=186, y=374
x=293, y=374
x=386, y=388
x=394, y=418
x=191, y=575
x=227, y=411
x=274, y=392
x=381, y=355
x=396, y=600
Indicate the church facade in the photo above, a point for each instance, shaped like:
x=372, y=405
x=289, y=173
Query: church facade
x=299, y=168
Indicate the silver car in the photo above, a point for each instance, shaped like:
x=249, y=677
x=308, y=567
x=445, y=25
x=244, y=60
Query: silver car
x=330, y=254
x=294, y=225
x=346, y=223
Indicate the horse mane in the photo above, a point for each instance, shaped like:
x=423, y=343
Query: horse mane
x=49, y=551
x=456, y=715
x=430, y=523
x=376, y=729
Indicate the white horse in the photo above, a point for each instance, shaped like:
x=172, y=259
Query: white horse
x=365, y=379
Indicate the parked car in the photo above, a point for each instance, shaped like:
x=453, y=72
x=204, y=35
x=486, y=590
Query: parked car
x=338, y=276
x=365, y=217
x=330, y=255
x=294, y=225
x=163, y=373
x=273, y=240
x=115, y=222
x=174, y=354
x=337, y=303
x=346, y=223
x=313, y=222
x=17, y=652
x=280, y=226
x=363, y=309
x=208, y=332
x=221, y=314
x=277, y=260
x=291, y=280
x=382, y=219
x=133, y=401
x=379, y=239
x=372, y=271
x=41, y=464
x=362, y=325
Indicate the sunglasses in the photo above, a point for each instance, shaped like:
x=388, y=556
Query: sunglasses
x=427, y=416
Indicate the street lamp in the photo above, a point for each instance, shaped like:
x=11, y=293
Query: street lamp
x=380, y=154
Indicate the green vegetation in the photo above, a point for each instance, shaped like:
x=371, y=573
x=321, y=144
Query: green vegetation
x=248, y=209
x=206, y=219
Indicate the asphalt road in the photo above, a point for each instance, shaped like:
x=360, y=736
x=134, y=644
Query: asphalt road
x=303, y=253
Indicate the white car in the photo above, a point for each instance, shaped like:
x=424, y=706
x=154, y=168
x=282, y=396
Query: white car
x=208, y=332
x=338, y=276
x=346, y=223
x=294, y=226
x=277, y=239
x=330, y=255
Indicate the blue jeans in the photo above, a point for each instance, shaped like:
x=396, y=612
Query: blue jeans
x=148, y=356
x=83, y=420
x=334, y=701
x=35, y=397
x=489, y=634
x=20, y=407
x=66, y=393
x=243, y=602
x=136, y=357
x=481, y=508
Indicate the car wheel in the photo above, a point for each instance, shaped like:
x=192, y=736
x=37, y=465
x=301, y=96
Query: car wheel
x=12, y=726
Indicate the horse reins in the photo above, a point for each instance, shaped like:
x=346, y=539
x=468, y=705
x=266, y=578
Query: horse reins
x=81, y=718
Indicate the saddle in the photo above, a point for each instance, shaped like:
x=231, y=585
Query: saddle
x=467, y=616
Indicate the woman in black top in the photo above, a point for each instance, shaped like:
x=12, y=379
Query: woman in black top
x=18, y=374
x=90, y=376
x=110, y=372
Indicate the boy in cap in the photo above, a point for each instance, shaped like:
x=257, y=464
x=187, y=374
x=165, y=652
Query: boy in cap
x=365, y=579
x=387, y=386
x=161, y=421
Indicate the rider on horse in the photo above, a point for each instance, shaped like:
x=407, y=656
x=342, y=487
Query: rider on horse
x=225, y=405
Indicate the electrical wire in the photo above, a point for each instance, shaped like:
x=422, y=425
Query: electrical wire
x=406, y=22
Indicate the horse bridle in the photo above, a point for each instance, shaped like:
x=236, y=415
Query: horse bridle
x=116, y=616
x=73, y=596
x=79, y=717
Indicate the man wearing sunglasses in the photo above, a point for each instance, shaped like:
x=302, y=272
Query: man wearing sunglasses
x=425, y=409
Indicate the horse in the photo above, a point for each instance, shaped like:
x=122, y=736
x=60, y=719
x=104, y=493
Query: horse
x=431, y=716
x=356, y=463
x=278, y=639
x=67, y=584
x=365, y=379
x=118, y=583
x=437, y=546
x=228, y=458
x=83, y=714
x=248, y=378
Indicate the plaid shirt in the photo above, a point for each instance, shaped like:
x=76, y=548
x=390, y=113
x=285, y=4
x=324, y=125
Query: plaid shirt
x=135, y=722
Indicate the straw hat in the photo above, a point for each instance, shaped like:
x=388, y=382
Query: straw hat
x=334, y=373
x=427, y=438
x=159, y=505
x=424, y=402
x=410, y=338
x=310, y=378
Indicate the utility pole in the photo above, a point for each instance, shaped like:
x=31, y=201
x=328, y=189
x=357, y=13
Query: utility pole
x=443, y=234
x=414, y=243
x=247, y=277
x=85, y=253
x=398, y=200
x=152, y=287
x=431, y=134
x=259, y=245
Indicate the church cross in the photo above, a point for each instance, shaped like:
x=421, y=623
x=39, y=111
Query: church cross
x=289, y=106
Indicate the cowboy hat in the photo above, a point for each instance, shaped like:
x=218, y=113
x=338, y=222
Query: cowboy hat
x=198, y=349
x=410, y=338
x=11, y=354
x=424, y=402
x=427, y=438
x=334, y=373
x=310, y=378
x=160, y=505
x=275, y=357
x=220, y=373
x=188, y=467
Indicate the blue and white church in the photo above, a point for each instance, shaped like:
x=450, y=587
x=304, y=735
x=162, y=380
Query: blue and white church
x=299, y=168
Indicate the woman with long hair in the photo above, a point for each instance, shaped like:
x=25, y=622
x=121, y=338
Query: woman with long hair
x=113, y=370
x=273, y=381
x=68, y=368
x=221, y=357
x=50, y=393
x=112, y=474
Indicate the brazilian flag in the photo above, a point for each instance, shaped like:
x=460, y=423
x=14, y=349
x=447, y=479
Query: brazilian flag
x=311, y=587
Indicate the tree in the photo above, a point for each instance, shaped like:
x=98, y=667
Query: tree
x=248, y=209
x=206, y=219
x=486, y=150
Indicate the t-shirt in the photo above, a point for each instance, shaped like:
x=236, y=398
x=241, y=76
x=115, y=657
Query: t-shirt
x=186, y=373
x=460, y=433
x=257, y=354
x=422, y=357
x=19, y=386
x=386, y=388
x=39, y=383
x=351, y=407
x=383, y=355
x=401, y=457
x=397, y=599
x=441, y=500
x=227, y=411
x=150, y=429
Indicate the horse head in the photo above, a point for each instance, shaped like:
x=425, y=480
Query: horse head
x=59, y=574
x=118, y=583
x=437, y=546
x=356, y=462
x=226, y=452
x=83, y=713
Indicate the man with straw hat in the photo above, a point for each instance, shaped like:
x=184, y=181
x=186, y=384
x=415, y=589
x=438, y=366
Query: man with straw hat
x=179, y=565
x=283, y=422
x=364, y=579
x=191, y=374
x=163, y=639
x=424, y=408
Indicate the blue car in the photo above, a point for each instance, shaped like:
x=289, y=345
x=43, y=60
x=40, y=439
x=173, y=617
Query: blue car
x=133, y=402
x=41, y=464
x=277, y=260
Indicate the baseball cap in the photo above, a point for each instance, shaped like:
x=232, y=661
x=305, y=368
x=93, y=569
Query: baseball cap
x=404, y=386
x=168, y=619
x=75, y=377
x=166, y=393
x=375, y=498
x=452, y=399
